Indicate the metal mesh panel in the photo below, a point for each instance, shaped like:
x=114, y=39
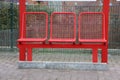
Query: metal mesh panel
x=36, y=25
x=91, y=26
x=63, y=26
x=64, y=55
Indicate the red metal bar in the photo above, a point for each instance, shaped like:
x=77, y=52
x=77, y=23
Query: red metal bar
x=28, y=45
x=22, y=9
x=30, y=40
x=29, y=54
x=75, y=25
x=93, y=41
x=95, y=55
x=106, y=8
x=22, y=51
x=104, y=56
x=62, y=40
x=23, y=27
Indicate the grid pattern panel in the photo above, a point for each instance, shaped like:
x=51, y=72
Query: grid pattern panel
x=36, y=25
x=91, y=26
x=63, y=26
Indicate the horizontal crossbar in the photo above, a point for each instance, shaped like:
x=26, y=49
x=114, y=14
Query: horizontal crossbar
x=31, y=40
x=93, y=41
x=61, y=45
x=63, y=40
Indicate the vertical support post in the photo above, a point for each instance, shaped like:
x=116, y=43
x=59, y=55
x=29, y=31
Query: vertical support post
x=104, y=55
x=29, y=54
x=22, y=55
x=22, y=9
x=95, y=55
x=106, y=8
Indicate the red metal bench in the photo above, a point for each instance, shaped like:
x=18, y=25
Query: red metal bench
x=65, y=31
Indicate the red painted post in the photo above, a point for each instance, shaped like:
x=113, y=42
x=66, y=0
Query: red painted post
x=29, y=54
x=104, y=55
x=22, y=7
x=95, y=55
x=22, y=55
x=106, y=13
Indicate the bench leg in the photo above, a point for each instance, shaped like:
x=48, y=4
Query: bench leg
x=22, y=56
x=95, y=55
x=29, y=54
x=104, y=55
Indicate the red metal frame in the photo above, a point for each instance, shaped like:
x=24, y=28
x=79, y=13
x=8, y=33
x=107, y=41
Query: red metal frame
x=58, y=39
x=106, y=8
x=103, y=28
x=26, y=48
x=23, y=29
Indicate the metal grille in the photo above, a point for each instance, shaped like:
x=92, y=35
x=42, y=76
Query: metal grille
x=91, y=26
x=63, y=27
x=36, y=25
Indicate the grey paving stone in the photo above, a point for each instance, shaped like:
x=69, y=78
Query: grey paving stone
x=9, y=71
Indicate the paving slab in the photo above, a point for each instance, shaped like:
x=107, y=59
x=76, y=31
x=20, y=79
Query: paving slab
x=9, y=71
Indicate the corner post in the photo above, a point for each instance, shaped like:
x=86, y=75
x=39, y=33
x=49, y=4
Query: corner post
x=106, y=7
x=22, y=9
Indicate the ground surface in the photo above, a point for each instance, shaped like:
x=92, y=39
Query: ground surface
x=9, y=71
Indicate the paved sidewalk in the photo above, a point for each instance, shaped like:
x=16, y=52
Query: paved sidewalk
x=9, y=71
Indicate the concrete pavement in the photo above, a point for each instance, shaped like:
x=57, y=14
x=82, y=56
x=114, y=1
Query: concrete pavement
x=9, y=71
